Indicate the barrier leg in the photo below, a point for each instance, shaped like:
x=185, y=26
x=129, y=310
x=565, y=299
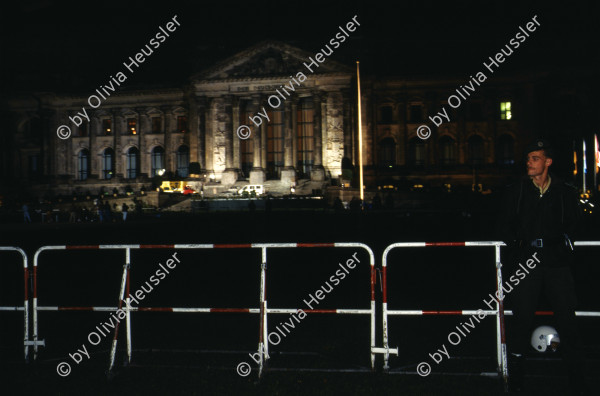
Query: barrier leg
x=372, y=316
x=113, y=348
x=500, y=333
x=26, y=311
x=384, y=315
x=263, y=349
x=35, y=312
x=128, y=318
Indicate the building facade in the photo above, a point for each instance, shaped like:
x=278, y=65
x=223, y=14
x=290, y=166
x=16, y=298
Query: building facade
x=301, y=126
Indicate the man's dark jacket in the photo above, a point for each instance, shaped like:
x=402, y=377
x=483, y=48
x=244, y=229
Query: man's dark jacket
x=525, y=216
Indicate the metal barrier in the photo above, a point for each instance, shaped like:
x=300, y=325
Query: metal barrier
x=25, y=307
x=499, y=312
x=262, y=310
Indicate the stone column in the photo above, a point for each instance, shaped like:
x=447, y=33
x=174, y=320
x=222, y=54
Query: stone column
x=237, y=155
x=295, y=101
x=347, y=127
x=317, y=172
x=170, y=127
x=229, y=175
x=209, y=138
x=257, y=174
x=201, y=106
x=143, y=127
x=120, y=149
x=288, y=173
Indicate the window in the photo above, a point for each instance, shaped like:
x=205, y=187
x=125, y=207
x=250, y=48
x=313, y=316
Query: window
x=387, y=152
x=448, y=151
x=35, y=170
x=132, y=126
x=158, y=156
x=156, y=125
x=475, y=111
x=108, y=163
x=416, y=113
x=107, y=126
x=305, y=136
x=505, y=111
x=183, y=161
x=275, y=129
x=83, y=164
x=416, y=152
x=475, y=144
x=132, y=163
x=385, y=115
x=182, y=124
x=83, y=129
x=505, y=150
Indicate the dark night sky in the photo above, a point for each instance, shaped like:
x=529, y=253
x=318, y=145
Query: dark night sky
x=75, y=46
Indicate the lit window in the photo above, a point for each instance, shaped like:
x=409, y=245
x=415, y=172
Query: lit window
x=158, y=156
x=505, y=111
x=132, y=126
x=106, y=126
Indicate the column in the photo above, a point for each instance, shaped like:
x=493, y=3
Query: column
x=288, y=173
x=347, y=127
x=209, y=138
x=230, y=174
x=170, y=127
x=317, y=172
x=201, y=106
x=142, y=128
x=237, y=155
x=257, y=174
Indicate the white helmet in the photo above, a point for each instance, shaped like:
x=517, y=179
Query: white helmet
x=544, y=337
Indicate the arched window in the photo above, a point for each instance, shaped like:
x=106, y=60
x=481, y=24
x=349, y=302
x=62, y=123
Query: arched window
x=158, y=163
x=387, y=152
x=475, y=144
x=133, y=163
x=448, y=151
x=83, y=164
x=505, y=150
x=416, y=152
x=108, y=163
x=183, y=161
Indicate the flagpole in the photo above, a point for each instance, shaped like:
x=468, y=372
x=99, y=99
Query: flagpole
x=360, y=160
x=584, y=173
x=596, y=163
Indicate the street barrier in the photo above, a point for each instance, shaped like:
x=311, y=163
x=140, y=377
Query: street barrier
x=499, y=312
x=263, y=310
x=25, y=307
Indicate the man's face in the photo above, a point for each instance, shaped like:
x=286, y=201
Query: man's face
x=537, y=163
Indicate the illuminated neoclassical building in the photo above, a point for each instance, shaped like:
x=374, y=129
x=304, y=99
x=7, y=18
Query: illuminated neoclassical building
x=135, y=134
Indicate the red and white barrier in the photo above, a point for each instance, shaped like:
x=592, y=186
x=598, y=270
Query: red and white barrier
x=499, y=312
x=262, y=310
x=25, y=307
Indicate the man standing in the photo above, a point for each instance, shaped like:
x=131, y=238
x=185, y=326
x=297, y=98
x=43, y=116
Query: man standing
x=540, y=216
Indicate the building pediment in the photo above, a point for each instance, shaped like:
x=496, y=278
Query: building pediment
x=267, y=59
